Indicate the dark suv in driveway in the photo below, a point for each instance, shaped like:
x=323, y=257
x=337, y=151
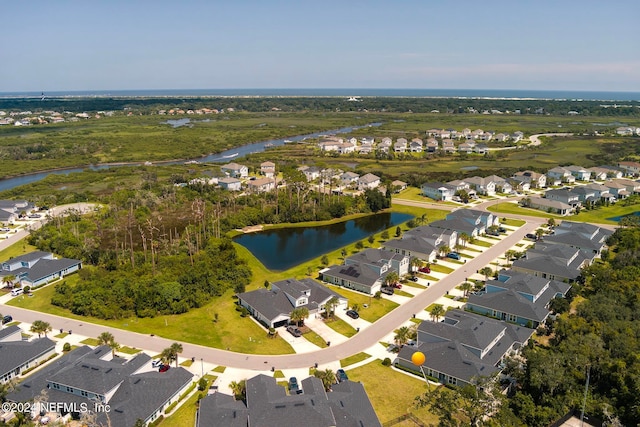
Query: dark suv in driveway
x=341, y=375
x=386, y=290
x=353, y=314
x=293, y=330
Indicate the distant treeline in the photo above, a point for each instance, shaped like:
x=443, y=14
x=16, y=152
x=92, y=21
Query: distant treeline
x=381, y=104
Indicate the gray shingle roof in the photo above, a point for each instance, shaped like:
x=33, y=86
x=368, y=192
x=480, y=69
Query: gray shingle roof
x=357, y=273
x=510, y=301
x=48, y=267
x=14, y=354
x=268, y=405
x=457, y=224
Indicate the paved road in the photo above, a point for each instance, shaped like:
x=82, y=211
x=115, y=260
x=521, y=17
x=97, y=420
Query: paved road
x=364, y=339
x=535, y=139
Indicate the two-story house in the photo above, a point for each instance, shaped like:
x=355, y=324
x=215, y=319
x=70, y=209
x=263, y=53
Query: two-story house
x=235, y=170
x=422, y=242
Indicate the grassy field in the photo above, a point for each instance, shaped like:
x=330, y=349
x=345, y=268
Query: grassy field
x=359, y=357
x=17, y=249
x=376, y=307
x=197, y=326
x=314, y=338
x=392, y=392
x=513, y=208
x=441, y=268
x=341, y=327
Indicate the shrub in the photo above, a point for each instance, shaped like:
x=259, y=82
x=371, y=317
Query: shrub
x=66, y=347
x=203, y=384
x=386, y=362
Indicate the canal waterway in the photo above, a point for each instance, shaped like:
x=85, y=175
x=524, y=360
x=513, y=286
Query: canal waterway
x=222, y=157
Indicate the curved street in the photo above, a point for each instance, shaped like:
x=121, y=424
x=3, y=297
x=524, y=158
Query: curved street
x=364, y=339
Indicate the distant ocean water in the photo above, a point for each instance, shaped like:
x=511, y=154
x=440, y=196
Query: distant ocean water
x=435, y=93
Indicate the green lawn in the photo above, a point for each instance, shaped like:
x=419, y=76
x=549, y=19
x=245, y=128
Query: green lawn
x=512, y=208
x=314, y=338
x=278, y=374
x=441, y=268
x=512, y=222
x=392, y=392
x=187, y=363
x=90, y=341
x=341, y=327
x=403, y=293
x=197, y=326
x=412, y=284
x=185, y=416
x=600, y=215
x=129, y=350
x=376, y=307
x=17, y=249
x=359, y=357
x=219, y=369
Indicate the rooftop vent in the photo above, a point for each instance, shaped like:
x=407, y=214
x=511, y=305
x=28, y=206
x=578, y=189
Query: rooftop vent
x=109, y=370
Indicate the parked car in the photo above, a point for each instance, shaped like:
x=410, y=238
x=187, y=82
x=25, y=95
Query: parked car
x=17, y=291
x=5, y=229
x=393, y=348
x=164, y=368
x=424, y=270
x=33, y=216
x=453, y=255
x=386, y=290
x=293, y=330
x=293, y=386
x=397, y=286
x=341, y=375
x=413, y=279
x=493, y=233
x=530, y=236
x=502, y=230
x=157, y=363
x=6, y=319
x=353, y=314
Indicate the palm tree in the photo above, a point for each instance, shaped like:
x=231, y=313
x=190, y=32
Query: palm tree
x=176, y=349
x=437, y=311
x=391, y=279
x=8, y=280
x=330, y=306
x=539, y=233
x=402, y=335
x=443, y=250
x=464, y=238
x=486, y=272
x=114, y=346
x=239, y=389
x=327, y=376
x=298, y=315
x=551, y=222
x=166, y=356
x=422, y=219
x=415, y=264
x=40, y=327
x=105, y=338
x=466, y=288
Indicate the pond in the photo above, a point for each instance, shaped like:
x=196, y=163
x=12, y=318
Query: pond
x=283, y=248
x=618, y=218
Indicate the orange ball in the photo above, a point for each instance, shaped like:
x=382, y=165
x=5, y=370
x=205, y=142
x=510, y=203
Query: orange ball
x=418, y=358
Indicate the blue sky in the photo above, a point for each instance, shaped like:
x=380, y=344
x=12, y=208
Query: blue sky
x=432, y=44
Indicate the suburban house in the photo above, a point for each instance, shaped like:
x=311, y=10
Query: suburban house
x=261, y=185
x=483, y=186
x=588, y=238
x=586, y=196
x=580, y=173
x=600, y=174
x=432, y=145
x=519, y=185
x=366, y=270
x=398, y=186
x=268, y=169
x=384, y=145
x=332, y=144
x=448, y=146
x=501, y=137
x=517, y=136
x=348, y=178
x=235, y=170
x=272, y=307
x=368, y=181
x=132, y=388
x=466, y=147
x=535, y=179
x=625, y=130
x=400, y=145
x=467, y=221
x=632, y=168
x=481, y=149
x=346, y=148
x=422, y=242
x=563, y=195
x=38, y=268
x=310, y=172
x=517, y=298
x=17, y=355
x=616, y=189
x=10, y=210
x=267, y=404
x=416, y=145
x=230, y=184
x=464, y=346
x=438, y=191
x=501, y=184
x=631, y=186
x=549, y=205
x=613, y=171
x=552, y=261
x=562, y=174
